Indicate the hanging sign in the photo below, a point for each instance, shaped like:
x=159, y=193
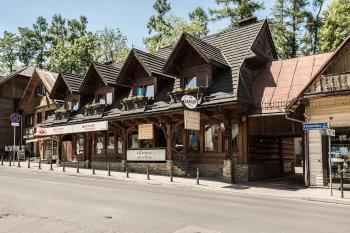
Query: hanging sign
x=145, y=131
x=189, y=101
x=146, y=155
x=192, y=120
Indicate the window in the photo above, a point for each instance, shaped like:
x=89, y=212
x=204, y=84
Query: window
x=39, y=90
x=120, y=146
x=235, y=137
x=49, y=114
x=101, y=99
x=110, y=141
x=79, y=145
x=193, y=141
x=39, y=118
x=109, y=98
x=147, y=90
x=99, y=144
x=211, y=133
x=190, y=82
x=133, y=140
x=73, y=105
x=29, y=120
x=146, y=143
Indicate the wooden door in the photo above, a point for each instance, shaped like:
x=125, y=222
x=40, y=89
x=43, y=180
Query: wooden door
x=67, y=151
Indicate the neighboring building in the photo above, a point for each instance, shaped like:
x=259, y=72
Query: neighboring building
x=36, y=107
x=326, y=99
x=12, y=88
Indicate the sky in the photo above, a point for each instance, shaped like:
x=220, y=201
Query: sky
x=130, y=16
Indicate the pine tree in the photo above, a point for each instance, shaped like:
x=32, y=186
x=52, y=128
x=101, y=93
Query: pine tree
x=235, y=10
x=8, y=51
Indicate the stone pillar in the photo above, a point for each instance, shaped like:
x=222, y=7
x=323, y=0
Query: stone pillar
x=228, y=163
x=227, y=171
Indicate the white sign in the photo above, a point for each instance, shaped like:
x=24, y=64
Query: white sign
x=189, y=101
x=145, y=131
x=192, y=120
x=330, y=132
x=15, y=124
x=146, y=155
x=28, y=133
x=67, y=129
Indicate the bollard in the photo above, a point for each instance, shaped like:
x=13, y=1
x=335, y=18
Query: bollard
x=171, y=173
x=63, y=166
x=18, y=162
x=147, y=172
x=39, y=163
x=197, y=176
x=2, y=159
x=10, y=160
x=78, y=167
x=93, y=168
x=126, y=170
x=342, y=183
x=109, y=169
x=28, y=162
x=51, y=169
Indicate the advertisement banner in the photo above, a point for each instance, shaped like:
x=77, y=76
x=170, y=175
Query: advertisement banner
x=192, y=120
x=68, y=129
x=145, y=131
x=146, y=155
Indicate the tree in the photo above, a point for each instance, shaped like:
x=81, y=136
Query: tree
x=336, y=26
x=58, y=29
x=26, y=50
x=287, y=24
x=40, y=40
x=8, y=51
x=111, y=45
x=165, y=28
x=235, y=10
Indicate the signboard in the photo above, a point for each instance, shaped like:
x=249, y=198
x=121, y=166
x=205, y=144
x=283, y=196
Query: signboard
x=67, y=129
x=189, y=101
x=145, y=131
x=192, y=120
x=28, y=133
x=14, y=124
x=146, y=155
x=15, y=118
x=330, y=132
x=319, y=125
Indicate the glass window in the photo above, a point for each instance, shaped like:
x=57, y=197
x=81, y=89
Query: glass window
x=211, y=133
x=190, y=82
x=49, y=114
x=120, y=146
x=99, y=144
x=193, y=141
x=39, y=118
x=109, y=98
x=29, y=120
x=235, y=137
x=110, y=142
x=140, y=91
x=75, y=105
x=133, y=140
x=79, y=145
x=39, y=90
x=146, y=143
x=101, y=99
x=150, y=91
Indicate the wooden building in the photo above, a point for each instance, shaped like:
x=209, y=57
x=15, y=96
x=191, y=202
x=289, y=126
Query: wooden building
x=36, y=107
x=12, y=88
x=326, y=99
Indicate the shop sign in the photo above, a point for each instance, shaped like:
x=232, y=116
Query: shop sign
x=189, y=101
x=146, y=155
x=67, y=129
x=28, y=133
x=319, y=125
x=192, y=120
x=145, y=131
x=330, y=132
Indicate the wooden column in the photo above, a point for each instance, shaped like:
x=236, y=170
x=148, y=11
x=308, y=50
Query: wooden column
x=169, y=141
x=228, y=139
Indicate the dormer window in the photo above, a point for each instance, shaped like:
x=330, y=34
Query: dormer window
x=190, y=82
x=145, y=90
x=73, y=105
x=101, y=99
x=39, y=90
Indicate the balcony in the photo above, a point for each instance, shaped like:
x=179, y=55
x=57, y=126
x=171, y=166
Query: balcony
x=94, y=109
x=177, y=94
x=133, y=102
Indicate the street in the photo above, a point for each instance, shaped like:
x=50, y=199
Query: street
x=40, y=202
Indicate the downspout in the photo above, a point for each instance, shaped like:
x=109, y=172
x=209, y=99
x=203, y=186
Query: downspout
x=306, y=150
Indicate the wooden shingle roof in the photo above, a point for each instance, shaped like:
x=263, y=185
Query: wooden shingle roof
x=153, y=63
x=108, y=73
x=73, y=81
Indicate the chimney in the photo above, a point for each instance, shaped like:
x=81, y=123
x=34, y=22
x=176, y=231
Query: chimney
x=247, y=21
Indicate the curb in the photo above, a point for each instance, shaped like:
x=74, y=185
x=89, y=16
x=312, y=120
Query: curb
x=176, y=185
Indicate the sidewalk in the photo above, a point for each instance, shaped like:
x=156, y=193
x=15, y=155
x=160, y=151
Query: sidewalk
x=274, y=189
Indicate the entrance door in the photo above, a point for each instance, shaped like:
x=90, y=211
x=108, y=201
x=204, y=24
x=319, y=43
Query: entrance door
x=67, y=151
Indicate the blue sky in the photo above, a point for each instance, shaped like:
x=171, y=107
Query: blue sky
x=130, y=16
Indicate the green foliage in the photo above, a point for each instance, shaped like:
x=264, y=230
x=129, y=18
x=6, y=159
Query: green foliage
x=8, y=51
x=165, y=28
x=287, y=26
x=336, y=25
x=235, y=10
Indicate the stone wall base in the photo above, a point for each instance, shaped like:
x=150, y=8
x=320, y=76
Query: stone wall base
x=227, y=171
x=209, y=170
x=116, y=166
x=241, y=172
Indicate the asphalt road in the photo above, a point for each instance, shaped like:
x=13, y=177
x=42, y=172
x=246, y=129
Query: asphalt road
x=38, y=202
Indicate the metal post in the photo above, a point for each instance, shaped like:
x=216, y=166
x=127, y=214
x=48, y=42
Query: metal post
x=78, y=167
x=109, y=169
x=63, y=166
x=171, y=173
x=10, y=160
x=2, y=159
x=197, y=176
x=147, y=172
x=93, y=168
x=330, y=165
x=342, y=183
x=126, y=170
x=28, y=162
x=18, y=162
x=39, y=163
x=51, y=169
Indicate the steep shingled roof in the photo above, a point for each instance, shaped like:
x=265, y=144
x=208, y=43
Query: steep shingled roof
x=153, y=63
x=109, y=73
x=73, y=81
x=26, y=71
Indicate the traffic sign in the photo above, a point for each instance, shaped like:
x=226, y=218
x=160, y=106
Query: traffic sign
x=319, y=125
x=15, y=118
x=330, y=132
x=14, y=124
